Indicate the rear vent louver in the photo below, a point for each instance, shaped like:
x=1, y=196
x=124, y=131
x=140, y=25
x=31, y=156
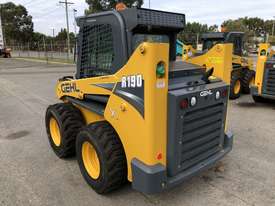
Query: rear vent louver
x=269, y=81
x=201, y=133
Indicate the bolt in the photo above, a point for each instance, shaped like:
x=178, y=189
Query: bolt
x=123, y=107
x=163, y=184
x=142, y=49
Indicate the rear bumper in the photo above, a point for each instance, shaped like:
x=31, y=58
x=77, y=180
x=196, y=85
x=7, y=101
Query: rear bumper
x=254, y=92
x=154, y=179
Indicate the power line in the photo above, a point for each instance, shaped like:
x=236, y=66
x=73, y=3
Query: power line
x=68, y=28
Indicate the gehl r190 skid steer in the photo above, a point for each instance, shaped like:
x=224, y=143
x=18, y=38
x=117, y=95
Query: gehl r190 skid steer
x=264, y=88
x=132, y=111
x=241, y=71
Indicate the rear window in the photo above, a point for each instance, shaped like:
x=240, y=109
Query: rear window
x=140, y=38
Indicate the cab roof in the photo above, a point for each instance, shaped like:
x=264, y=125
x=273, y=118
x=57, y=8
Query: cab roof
x=140, y=17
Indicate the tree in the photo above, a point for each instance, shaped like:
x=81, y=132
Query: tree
x=252, y=27
x=103, y=5
x=17, y=23
x=191, y=31
x=61, y=37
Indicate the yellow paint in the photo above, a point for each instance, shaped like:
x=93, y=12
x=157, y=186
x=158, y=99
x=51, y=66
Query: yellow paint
x=145, y=137
x=237, y=87
x=219, y=57
x=261, y=66
x=90, y=160
x=187, y=52
x=55, y=132
x=90, y=116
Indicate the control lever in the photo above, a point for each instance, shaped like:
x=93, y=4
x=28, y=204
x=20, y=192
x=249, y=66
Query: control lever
x=207, y=74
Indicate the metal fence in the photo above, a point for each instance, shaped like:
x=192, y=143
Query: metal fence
x=48, y=52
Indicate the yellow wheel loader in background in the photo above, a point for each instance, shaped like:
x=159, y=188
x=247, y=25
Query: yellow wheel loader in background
x=133, y=112
x=242, y=72
x=264, y=88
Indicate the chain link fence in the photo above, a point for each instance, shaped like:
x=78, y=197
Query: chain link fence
x=47, y=52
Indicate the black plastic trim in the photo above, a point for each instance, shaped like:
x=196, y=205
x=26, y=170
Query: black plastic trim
x=93, y=106
x=109, y=86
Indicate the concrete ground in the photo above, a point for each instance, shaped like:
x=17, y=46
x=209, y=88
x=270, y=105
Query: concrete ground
x=31, y=174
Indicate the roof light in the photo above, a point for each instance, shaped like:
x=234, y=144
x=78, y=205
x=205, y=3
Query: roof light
x=120, y=6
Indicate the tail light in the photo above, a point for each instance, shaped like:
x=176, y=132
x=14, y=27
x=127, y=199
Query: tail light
x=269, y=65
x=184, y=104
x=224, y=93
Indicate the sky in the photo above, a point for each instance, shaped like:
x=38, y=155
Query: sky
x=50, y=14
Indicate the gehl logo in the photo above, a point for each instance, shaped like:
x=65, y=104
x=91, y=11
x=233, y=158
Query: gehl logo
x=69, y=87
x=206, y=93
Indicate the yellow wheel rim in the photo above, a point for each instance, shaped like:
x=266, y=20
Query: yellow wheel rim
x=55, y=132
x=90, y=160
x=237, y=87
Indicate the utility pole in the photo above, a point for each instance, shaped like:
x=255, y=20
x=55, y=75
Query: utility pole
x=149, y=4
x=197, y=41
x=68, y=27
x=75, y=14
x=273, y=26
x=53, y=32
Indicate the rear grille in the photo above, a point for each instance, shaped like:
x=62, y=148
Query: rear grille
x=201, y=132
x=269, y=82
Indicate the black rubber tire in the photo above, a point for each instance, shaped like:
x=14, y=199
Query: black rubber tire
x=70, y=121
x=111, y=155
x=259, y=99
x=234, y=78
x=247, y=76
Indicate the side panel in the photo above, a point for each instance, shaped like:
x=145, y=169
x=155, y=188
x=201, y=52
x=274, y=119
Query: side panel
x=90, y=116
x=143, y=137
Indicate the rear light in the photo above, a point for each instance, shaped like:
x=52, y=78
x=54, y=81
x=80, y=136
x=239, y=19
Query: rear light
x=218, y=95
x=184, y=104
x=224, y=93
x=269, y=65
x=193, y=101
x=159, y=156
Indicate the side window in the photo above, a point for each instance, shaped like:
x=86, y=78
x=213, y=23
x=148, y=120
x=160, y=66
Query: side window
x=97, y=51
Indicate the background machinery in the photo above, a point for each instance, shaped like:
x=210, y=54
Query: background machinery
x=242, y=73
x=134, y=112
x=264, y=88
x=5, y=52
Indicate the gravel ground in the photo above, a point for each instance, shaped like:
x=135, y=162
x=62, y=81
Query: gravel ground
x=31, y=174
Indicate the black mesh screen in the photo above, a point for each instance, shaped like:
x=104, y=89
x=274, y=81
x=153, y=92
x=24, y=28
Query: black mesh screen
x=97, y=51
